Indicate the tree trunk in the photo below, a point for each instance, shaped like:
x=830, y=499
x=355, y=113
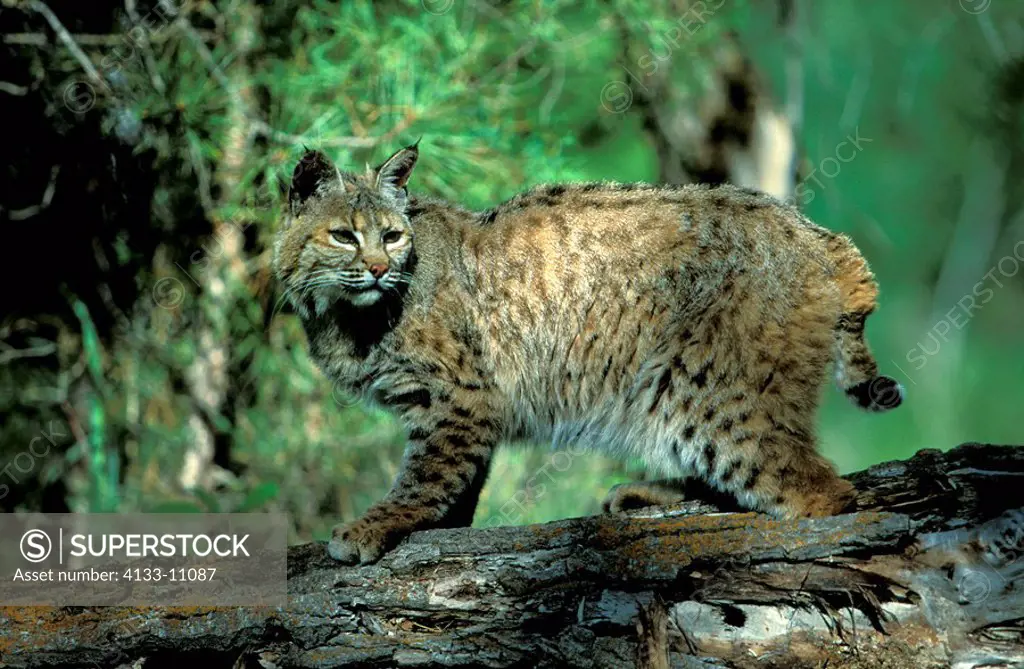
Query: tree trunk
x=925, y=574
x=225, y=275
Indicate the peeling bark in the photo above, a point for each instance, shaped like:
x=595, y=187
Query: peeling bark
x=925, y=574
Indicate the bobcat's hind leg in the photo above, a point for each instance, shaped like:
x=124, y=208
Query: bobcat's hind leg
x=809, y=487
x=784, y=475
x=640, y=494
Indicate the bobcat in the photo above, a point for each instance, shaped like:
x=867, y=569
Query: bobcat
x=687, y=326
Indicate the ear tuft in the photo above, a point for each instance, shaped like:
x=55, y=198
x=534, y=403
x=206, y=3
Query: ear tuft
x=313, y=171
x=393, y=174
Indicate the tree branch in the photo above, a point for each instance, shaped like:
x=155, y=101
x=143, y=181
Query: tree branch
x=69, y=42
x=925, y=575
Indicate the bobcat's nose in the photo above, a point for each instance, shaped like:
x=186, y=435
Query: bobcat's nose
x=377, y=270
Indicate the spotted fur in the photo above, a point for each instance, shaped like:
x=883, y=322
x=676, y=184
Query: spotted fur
x=690, y=327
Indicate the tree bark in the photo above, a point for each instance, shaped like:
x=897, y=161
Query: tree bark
x=925, y=574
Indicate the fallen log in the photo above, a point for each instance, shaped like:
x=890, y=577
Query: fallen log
x=925, y=574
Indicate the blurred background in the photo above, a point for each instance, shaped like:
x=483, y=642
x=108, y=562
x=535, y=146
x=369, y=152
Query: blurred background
x=147, y=363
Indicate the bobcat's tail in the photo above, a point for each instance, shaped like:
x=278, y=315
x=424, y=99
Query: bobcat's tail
x=856, y=369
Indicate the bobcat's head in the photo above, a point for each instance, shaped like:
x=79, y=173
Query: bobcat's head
x=346, y=236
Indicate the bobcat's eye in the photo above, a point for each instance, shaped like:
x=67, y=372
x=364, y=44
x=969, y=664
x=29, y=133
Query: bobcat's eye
x=392, y=236
x=345, y=237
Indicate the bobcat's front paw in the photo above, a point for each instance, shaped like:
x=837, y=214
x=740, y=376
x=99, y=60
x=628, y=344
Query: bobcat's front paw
x=361, y=542
x=366, y=540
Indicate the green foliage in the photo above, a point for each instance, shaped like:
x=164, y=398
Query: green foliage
x=101, y=459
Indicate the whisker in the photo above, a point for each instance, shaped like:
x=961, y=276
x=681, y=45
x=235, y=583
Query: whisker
x=280, y=303
x=345, y=278
x=314, y=281
x=324, y=272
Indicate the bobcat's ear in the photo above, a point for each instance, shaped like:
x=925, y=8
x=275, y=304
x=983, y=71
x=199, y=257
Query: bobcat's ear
x=313, y=172
x=393, y=173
